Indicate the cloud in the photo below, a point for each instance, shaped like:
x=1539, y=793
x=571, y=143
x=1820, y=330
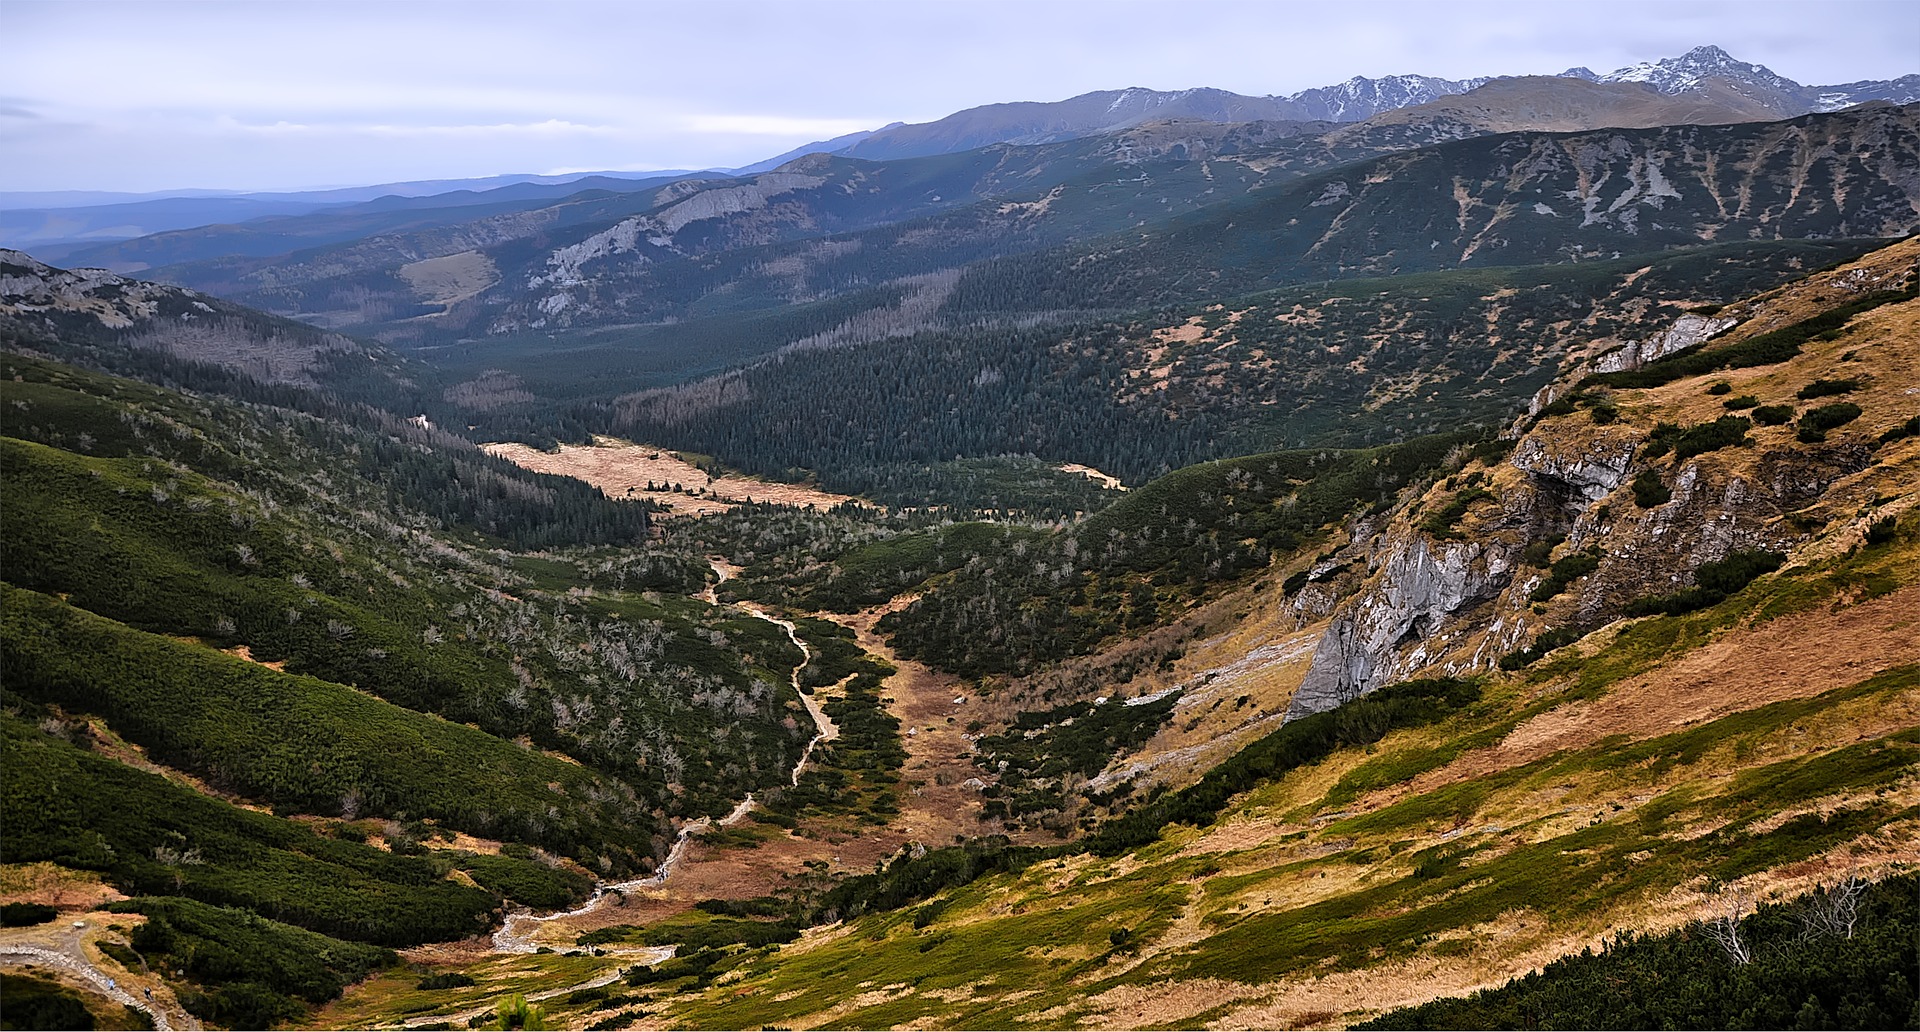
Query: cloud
x=549, y=128
x=175, y=93
x=776, y=125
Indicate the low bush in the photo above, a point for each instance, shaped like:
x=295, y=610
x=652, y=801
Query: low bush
x=1649, y=490
x=1814, y=425
x=1714, y=582
x=1559, y=637
x=446, y=980
x=21, y=915
x=1910, y=428
x=1565, y=571
x=1827, y=388
x=1798, y=976
x=1725, y=432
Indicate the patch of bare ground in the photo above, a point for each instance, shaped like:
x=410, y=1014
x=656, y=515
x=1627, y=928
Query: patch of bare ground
x=246, y=653
x=450, y=279
x=1106, y=480
x=936, y=708
x=1792, y=657
x=622, y=470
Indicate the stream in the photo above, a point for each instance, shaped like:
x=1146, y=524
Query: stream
x=517, y=931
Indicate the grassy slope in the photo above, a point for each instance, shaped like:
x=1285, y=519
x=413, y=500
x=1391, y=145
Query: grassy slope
x=1338, y=867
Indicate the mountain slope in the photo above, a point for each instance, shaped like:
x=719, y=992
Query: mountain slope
x=1557, y=104
x=1520, y=198
x=1708, y=68
x=1245, y=867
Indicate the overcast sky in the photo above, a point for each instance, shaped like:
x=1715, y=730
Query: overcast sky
x=159, y=95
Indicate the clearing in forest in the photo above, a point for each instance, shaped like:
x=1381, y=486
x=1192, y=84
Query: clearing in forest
x=624, y=470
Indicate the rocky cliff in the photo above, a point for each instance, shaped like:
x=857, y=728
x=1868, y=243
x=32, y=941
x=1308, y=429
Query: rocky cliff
x=1614, y=498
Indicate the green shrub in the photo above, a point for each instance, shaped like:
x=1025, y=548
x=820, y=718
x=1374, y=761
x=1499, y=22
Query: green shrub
x=1649, y=490
x=1773, y=415
x=1828, y=388
x=1720, y=387
x=33, y=1002
x=148, y=835
x=1725, y=432
x=1744, y=401
x=1714, y=582
x=1799, y=977
x=253, y=970
x=1660, y=441
x=1910, y=428
x=22, y=915
x=1814, y=425
x=446, y=980
x=1442, y=522
x=1559, y=637
x=1564, y=572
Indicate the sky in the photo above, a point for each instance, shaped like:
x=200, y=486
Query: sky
x=162, y=95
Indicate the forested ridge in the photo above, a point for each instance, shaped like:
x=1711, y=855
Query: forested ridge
x=328, y=618
x=1343, y=364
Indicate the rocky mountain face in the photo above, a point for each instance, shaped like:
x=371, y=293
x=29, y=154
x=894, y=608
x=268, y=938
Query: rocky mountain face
x=82, y=308
x=1108, y=111
x=1525, y=198
x=1595, y=511
x=1090, y=114
x=1361, y=98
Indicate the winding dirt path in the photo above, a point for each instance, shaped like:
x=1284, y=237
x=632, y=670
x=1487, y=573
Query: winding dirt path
x=61, y=948
x=518, y=931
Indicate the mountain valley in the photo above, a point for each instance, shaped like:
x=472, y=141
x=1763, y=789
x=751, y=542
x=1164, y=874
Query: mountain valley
x=1413, y=553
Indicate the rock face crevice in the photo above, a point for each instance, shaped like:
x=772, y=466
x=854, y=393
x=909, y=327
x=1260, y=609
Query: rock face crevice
x=1385, y=631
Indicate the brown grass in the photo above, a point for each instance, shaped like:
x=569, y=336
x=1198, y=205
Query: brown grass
x=622, y=470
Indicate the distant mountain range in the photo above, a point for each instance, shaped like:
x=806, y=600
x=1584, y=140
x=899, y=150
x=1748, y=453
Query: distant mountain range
x=1706, y=85
x=1706, y=72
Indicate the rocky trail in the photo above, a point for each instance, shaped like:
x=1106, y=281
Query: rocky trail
x=59, y=948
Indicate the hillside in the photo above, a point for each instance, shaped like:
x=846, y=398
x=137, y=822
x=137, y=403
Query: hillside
x=625, y=308
x=1341, y=364
x=243, y=641
x=1698, y=749
x=1413, y=553
x=1300, y=738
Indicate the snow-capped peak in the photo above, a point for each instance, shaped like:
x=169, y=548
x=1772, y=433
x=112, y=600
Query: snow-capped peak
x=1680, y=74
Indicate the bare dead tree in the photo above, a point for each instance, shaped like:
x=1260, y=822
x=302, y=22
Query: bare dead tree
x=1724, y=927
x=1833, y=909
